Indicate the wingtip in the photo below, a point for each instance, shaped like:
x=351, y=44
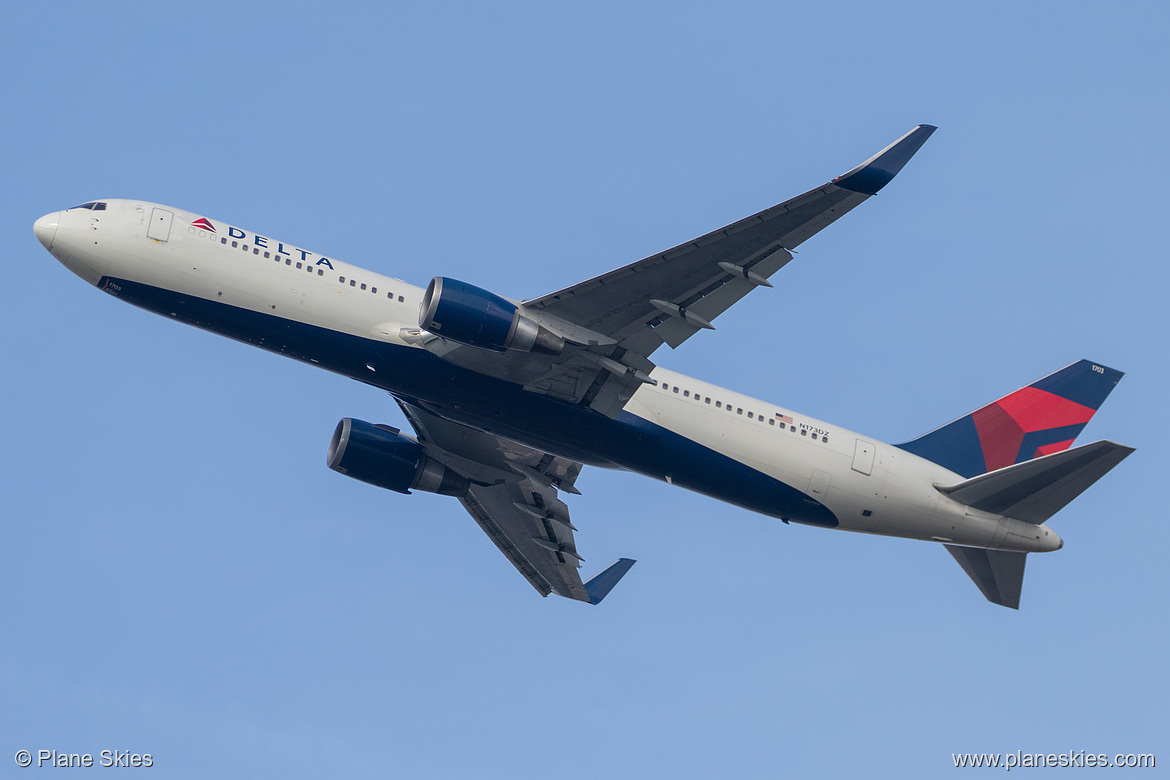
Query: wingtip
x=876, y=172
x=600, y=586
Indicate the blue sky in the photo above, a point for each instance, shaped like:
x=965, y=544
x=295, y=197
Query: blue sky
x=184, y=577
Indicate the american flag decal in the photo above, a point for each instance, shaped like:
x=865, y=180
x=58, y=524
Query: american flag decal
x=783, y=418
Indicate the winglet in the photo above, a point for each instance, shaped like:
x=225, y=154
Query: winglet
x=877, y=171
x=600, y=586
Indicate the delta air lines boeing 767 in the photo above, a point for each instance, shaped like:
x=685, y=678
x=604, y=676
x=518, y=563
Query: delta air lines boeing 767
x=509, y=399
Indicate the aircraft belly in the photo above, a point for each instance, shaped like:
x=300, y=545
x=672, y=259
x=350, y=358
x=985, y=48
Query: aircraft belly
x=629, y=442
x=750, y=468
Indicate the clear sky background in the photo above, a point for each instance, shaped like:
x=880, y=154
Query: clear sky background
x=183, y=576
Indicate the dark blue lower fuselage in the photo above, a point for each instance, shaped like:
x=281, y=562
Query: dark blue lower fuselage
x=502, y=408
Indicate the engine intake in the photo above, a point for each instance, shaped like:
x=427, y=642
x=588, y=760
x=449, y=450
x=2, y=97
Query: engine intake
x=473, y=316
x=381, y=456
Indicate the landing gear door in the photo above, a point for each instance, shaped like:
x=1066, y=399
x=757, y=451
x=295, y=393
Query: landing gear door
x=160, y=224
x=863, y=457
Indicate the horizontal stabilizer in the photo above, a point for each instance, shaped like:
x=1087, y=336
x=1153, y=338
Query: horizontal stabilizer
x=1035, y=490
x=998, y=573
x=600, y=586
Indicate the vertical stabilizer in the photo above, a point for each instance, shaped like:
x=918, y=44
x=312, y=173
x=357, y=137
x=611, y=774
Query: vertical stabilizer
x=1040, y=419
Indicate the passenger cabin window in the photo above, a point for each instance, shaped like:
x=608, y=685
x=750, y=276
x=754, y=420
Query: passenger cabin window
x=363, y=285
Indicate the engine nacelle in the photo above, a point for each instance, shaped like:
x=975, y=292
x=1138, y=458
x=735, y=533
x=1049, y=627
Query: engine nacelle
x=383, y=457
x=473, y=316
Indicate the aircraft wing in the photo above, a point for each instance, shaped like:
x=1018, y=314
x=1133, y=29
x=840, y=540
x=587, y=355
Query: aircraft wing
x=612, y=323
x=670, y=296
x=514, y=499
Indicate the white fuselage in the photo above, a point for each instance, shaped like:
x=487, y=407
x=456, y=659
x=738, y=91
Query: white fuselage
x=869, y=486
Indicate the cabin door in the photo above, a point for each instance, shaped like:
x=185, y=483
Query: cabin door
x=160, y=224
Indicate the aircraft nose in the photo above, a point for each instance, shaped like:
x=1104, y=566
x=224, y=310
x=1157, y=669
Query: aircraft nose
x=46, y=228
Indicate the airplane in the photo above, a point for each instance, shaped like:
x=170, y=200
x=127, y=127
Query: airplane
x=509, y=399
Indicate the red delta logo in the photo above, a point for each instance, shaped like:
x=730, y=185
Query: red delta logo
x=1026, y=424
x=204, y=224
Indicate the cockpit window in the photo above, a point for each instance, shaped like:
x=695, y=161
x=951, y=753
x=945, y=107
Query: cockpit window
x=93, y=205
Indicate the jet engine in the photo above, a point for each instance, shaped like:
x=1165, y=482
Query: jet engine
x=381, y=456
x=473, y=316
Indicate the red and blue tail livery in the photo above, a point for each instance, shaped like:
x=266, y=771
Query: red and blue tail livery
x=1037, y=420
